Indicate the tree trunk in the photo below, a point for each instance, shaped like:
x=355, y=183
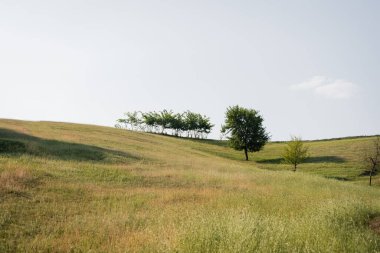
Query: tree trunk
x=246, y=154
x=370, y=177
x=295, y=167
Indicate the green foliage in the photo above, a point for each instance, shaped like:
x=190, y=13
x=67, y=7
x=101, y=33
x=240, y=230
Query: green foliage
x=295, y=152
x=187, y=124
x=131, y=120
x=246, y=129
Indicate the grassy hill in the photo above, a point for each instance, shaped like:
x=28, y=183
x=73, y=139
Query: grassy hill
x=80, y=188
x=341, y=159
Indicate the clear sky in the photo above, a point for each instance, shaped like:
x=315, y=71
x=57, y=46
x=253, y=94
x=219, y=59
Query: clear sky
x=312, y=68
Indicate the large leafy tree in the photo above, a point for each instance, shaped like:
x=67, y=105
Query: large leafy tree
x=245, y=129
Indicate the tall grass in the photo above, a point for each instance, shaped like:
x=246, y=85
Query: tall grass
x=152, y=193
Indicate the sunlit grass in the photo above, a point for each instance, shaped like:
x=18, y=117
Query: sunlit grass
x=151, y=193
x=340, y=159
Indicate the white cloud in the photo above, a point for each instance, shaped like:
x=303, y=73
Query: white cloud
x=327, y=87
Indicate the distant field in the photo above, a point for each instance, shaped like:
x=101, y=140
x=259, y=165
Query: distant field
x=81, y=188
x=341, y=159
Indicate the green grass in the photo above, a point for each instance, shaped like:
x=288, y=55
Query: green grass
x=341, y=159
x=80, y=188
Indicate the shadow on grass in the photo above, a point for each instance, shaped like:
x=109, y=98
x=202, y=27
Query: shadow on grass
x=325, y=159
x=221, y=143
x=16, y=143
x=338, y=178
x=368, y=173
x=314, y=159
x=271, y=161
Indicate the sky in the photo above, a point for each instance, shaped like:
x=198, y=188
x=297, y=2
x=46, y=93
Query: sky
x=312, y=68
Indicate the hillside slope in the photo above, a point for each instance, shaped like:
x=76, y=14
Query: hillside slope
x=342, y=159
x=70, y=187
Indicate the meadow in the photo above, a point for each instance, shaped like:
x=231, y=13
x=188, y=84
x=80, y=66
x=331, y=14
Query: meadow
x=81, y=188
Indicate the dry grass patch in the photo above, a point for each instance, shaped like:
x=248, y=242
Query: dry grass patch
x=16, y=180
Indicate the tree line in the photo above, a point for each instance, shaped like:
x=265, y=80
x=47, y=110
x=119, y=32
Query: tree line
x=186, y=124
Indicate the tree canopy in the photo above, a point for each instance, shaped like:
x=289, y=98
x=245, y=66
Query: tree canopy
x=245, y=129
x=295, y=152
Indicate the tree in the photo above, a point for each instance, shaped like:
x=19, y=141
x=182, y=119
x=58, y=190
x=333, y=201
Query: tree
x=295, y=152
x=166, y=119
x=177, y=124
x=191, y=122
x=245, y=129
x=373, y=158
x=131, y=120
x=204, y=125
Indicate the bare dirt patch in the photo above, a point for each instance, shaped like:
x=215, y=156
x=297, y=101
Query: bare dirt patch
x=374, y=225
